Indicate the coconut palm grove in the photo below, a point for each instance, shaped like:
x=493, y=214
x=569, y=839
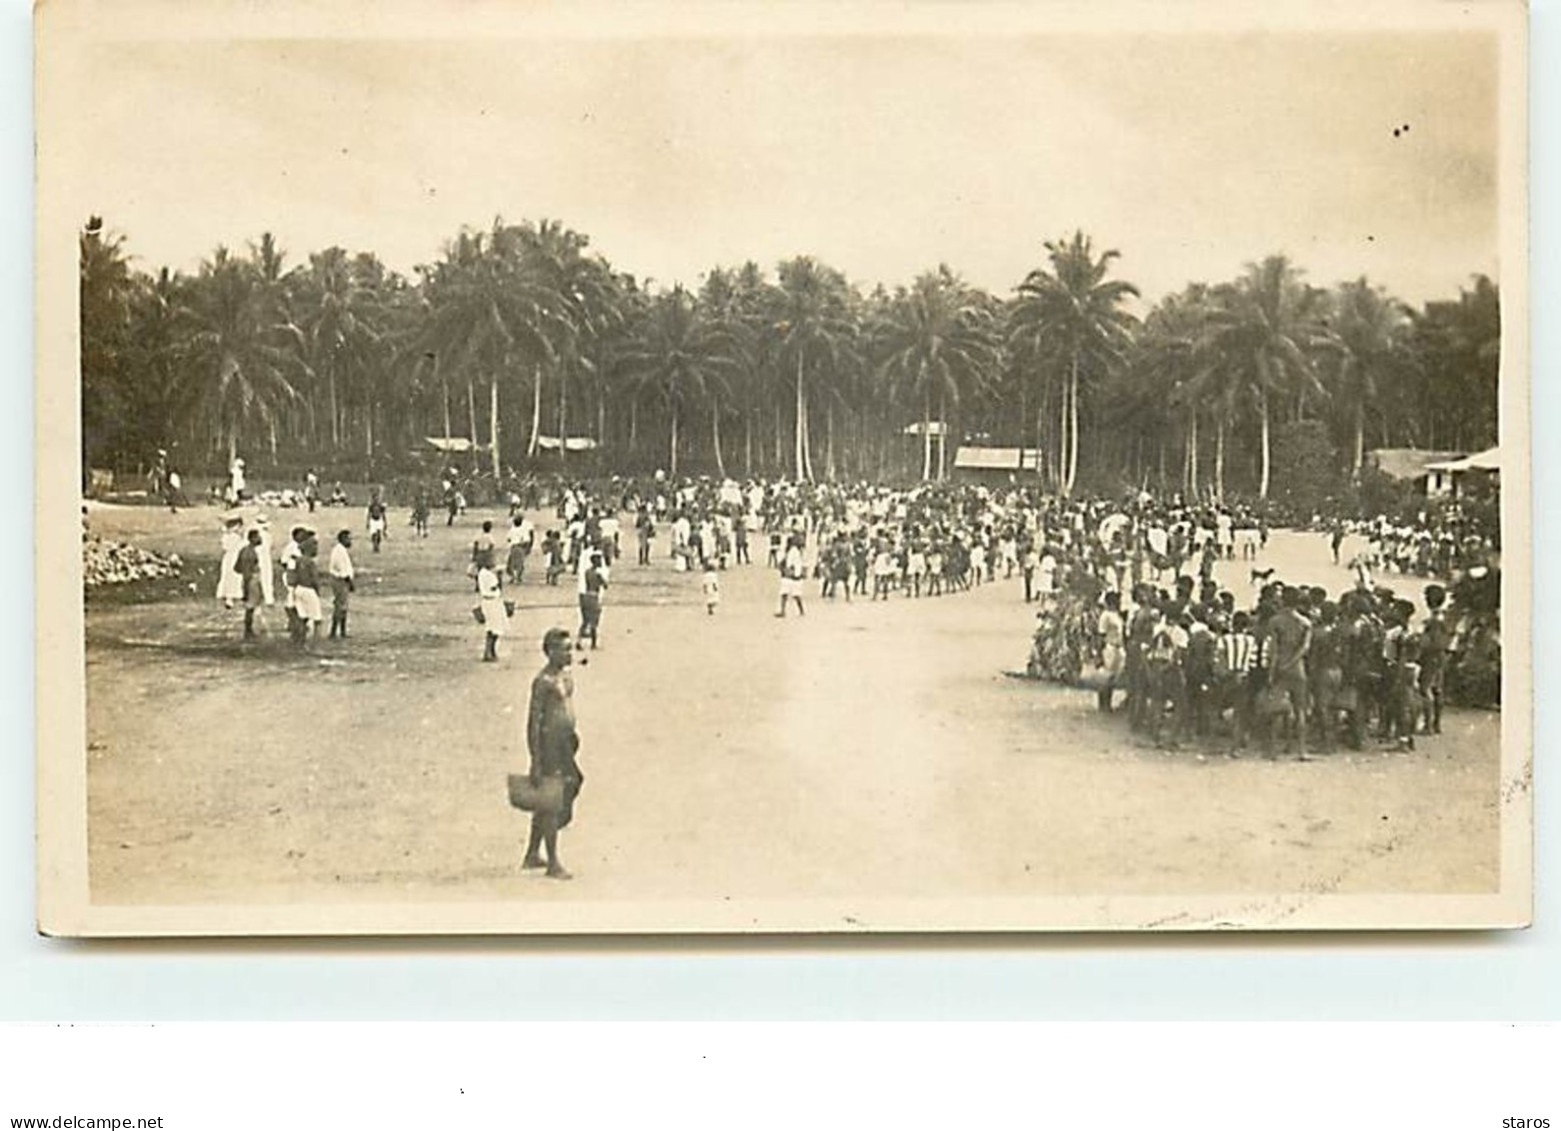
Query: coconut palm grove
x=1269, y=386
x=1198, y=639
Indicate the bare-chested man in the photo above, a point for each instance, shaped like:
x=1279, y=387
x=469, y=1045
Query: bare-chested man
x=553, y=743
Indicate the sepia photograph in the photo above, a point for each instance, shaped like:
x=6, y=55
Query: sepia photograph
x=734, y=468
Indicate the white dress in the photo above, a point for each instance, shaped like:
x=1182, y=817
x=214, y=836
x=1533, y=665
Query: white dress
x=267, y=568
x=490, y=595
x=230, y=586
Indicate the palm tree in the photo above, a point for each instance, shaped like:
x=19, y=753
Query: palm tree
x=488, y=311
x=1173, y=370
x=243, y=358
x=341, y=318
x=1268, y=327
x=812, y=329
x=153, y=356
x=1457, y=346
x=1370, y=331
x=680, y=355
x=576, y=304
x=106, y=289
x=937, y=344
x=1070, y=319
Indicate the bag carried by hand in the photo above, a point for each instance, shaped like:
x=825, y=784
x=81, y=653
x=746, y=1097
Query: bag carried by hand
x=547, y=796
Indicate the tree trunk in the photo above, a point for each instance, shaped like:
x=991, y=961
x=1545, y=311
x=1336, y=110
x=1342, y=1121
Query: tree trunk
x=1219, y=459
x=563, y=414
x=1073, y=420
x=1262, y=490
x=444, y=384
x=536, y=411
x=634, y=426
x=715, y=439
x=335, y=413
x=1062, y=439
x=829, y=442
x=807, y=440
x=471, y=416
x=1192, y=458
x=673, y=457
x=926, y=435
x=748, y=444
x=943, y=437
x=493, y=425
x=1359, y=462
x=1040, y=441
x=802, y=420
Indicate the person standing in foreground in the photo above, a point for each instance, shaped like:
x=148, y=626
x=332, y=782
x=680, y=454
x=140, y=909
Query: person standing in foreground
x=1286, y=641
x=306, y=591
x=553, y=743
x=290, y=555
x=343, y=583
x=247, y=566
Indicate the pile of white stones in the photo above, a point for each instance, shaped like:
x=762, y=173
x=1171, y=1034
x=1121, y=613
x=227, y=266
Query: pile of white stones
x=115, y=563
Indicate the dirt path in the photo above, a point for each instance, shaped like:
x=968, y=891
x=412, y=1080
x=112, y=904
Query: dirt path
x=868, y=750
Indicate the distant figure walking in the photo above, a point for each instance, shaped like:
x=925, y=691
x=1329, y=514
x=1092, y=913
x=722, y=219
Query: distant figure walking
x=377, y=514
x=593, y=580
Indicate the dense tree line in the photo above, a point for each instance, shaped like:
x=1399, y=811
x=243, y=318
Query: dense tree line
x=521, y=334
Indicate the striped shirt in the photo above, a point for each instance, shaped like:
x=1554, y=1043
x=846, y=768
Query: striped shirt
x=1238, y=652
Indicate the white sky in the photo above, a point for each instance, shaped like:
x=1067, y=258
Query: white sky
x=1191, y=154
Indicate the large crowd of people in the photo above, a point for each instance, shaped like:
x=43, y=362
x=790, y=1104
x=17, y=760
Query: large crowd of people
x=1126, y=588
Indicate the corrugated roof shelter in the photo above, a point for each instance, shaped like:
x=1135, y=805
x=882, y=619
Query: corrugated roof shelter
x=1407, y=463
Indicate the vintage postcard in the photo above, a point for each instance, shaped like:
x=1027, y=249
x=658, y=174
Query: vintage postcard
x=726, y=467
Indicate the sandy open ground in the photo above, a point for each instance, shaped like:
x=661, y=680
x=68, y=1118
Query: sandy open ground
x=868, y=750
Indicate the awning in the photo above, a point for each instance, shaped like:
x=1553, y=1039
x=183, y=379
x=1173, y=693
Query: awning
x=572, y=444
x=997, y=459
x=451, y=444
x=1488, y=460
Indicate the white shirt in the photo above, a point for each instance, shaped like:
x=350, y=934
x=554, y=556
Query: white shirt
x=341, y=561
